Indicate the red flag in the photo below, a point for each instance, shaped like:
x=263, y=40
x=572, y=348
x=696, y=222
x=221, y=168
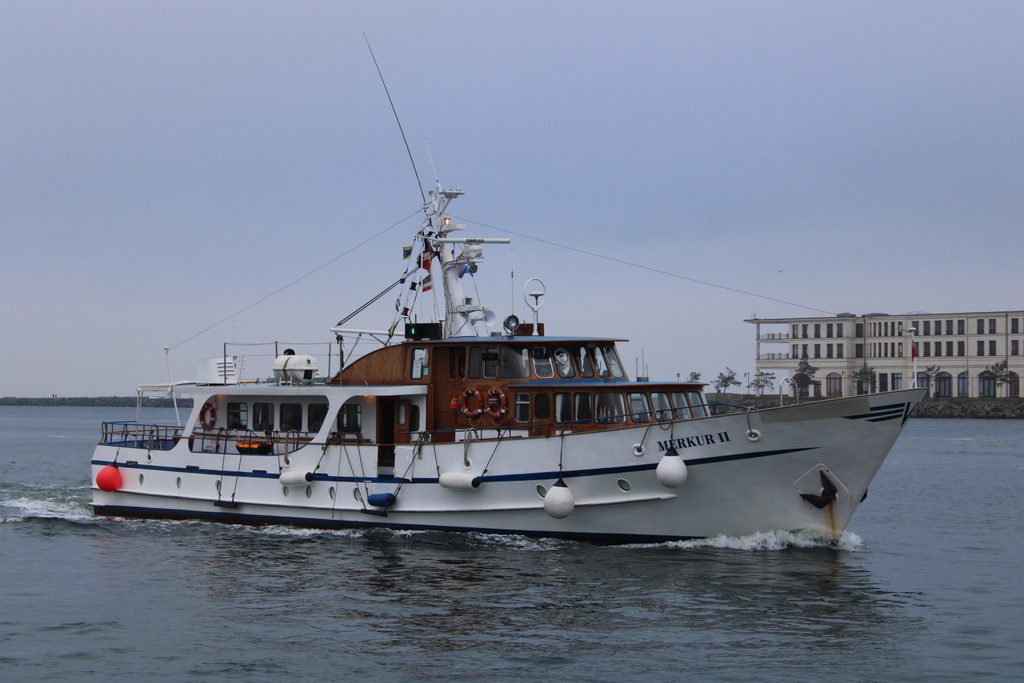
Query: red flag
x=913, y=350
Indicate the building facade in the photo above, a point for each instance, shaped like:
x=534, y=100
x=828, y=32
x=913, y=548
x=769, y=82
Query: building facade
x=955, y=352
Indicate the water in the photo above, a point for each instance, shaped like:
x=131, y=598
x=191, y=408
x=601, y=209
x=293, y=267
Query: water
x=926, y=585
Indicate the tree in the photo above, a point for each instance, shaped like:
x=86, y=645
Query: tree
x=762, y=381
x=725, y=380
x=804, y=375
x=694, y=377
x=1001, y=372
x=865, y=376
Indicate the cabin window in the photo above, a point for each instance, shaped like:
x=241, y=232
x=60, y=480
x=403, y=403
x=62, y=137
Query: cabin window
x=400, y=415
x=682, y=407
x=316, y=413
x=475, y=362
x=414, y=418
x=542, y=406
x=238, y=415
x=515, y=362
x=419, y=363
x=291, y=417
x=610, y=408
x=263, y=416
x=491, y=358
x=662, y=407
x=350, y=419
x=697, y=402
x=563, y=361
x=563, y=408
x=612, y=358
x=599, y=363
x=586, y=362
x=639, y=411
x=584, y=408
x=542, y=362
x=522, y=407
x=456, y=363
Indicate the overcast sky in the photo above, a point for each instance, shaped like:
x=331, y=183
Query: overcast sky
x=164, y=165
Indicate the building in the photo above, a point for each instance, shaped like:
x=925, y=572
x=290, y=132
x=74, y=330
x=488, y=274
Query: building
x=954, y=351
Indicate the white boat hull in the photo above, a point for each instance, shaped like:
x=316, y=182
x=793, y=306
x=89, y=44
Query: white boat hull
x=745, y=474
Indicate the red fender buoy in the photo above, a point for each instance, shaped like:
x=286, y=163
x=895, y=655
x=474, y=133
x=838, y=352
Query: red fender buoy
x=109, y=478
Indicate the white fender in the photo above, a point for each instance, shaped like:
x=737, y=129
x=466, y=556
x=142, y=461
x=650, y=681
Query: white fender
x=462, y=481
x=559, y=501
x=296, y=478
x=672, y=469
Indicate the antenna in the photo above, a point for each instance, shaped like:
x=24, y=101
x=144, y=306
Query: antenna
x=422, y=193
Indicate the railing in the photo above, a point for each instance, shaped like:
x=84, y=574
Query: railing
x=248, y=441
x=774, y=336
x=773, y=356
x=131, y=434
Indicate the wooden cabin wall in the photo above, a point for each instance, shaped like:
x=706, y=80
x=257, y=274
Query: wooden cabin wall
x=383, y=366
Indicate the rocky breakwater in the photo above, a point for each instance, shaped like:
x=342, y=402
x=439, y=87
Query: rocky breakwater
x=994, y=409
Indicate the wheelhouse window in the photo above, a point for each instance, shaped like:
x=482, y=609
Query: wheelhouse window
x=291, y=417
x=475, y=362
x=610, y=408
x=682, y=407
x=316, y=413
x=563, y=408
x=639, y=411
x=522, y=407
x=584, y=407
x=491, y=358
x=263, y=416
x=612, y=359
x=419, y=363
x=515, y=362
x=542, y=362
x=662, y=407
x=586, y=362
x=350, y=419
x=563, y=362
x=238, y=415
x=697, y=403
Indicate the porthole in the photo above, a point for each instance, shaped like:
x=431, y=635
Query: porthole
x=357, y=495
x=541, y=491
x=142, y=478
x=623, y=484
x=178, y=482
x=330, y=492
x=218, y=485
x=284, y=490
x=309, y=492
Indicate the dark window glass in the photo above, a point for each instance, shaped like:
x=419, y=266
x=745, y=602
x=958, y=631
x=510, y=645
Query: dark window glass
x=858, y=329
x=585, y=362
x=943, y=385
x=961, y=348
x=515, y=363
x=238, y=415
x=563, y=362
x=992, y=347
x=1014, y=348
x=697, y=403
x=475, y=362
x=563, y=408
x=927, y=327
x=542, y=406
x=981, y=348
x=839, y=350
x=609, y=407
x=350, y=419
x=828, y=330
x=839, y=329
x=316, y=413
x=987, y=385
x=414, y=418
x=926, y=349
x=682, y=407
x=1014, y=326
x=263, y=416
x=638, y=409
x=491, y=358
x=522, y=407
x=584, y=408
x=817, y=330
x=981, y=326
x=291, y=417
x=960, y=326
x=542, y=362
x=883, y=381
x=963, y=385
x=949, y=327
x=991, y=325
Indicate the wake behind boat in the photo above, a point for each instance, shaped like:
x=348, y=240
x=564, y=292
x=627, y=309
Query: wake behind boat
x=464, y=429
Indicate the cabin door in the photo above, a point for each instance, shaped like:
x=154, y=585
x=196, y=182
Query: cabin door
x=385, y=432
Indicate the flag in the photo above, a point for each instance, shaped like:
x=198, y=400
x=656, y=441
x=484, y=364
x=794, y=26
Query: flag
x=464, y=269
x=425, y=284
x=424, y=259
x=913, y=350
x=406, y=252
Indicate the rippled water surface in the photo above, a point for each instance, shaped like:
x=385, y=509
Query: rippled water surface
x=925, y=585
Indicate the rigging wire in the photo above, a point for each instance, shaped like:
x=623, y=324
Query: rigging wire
x=296, y=280
x=641, y=266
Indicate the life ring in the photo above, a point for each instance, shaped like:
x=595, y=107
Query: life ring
x=497, y=404
x=208, y=415
x=469, y=395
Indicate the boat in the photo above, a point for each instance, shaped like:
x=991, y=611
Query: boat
x=458, y=426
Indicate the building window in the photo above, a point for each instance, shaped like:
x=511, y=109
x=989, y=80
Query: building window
x=961, y=348
x=796, y=350
x=938, y=348
x=858, y=350
x=883, y=381
x=963, y=385
x=899, y=350
x=991, y=325
x=839, y=350
x=805, y=350
x=828, y=351
x=992, y=347
x=805, y=331
x=1014, y=329
x=943, y=385
x=949, y=348
x=938, y=327
x=899, y=329
x=859, y=330
x=1013, y=385
x=949, y=327
x=817, y=331
x=927, y=327
x=986, y=385
x=922, y=380
x=926, y=349
x=817, y=350
x=839, y=329
x=897, y=381
x=828, y=330
x=833, y=385
x=960, y=326
x=981, y=348
x=796, y=331
x=1014, y=347
x=981, y=326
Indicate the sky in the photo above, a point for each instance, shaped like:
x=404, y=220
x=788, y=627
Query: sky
x=168, y=166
